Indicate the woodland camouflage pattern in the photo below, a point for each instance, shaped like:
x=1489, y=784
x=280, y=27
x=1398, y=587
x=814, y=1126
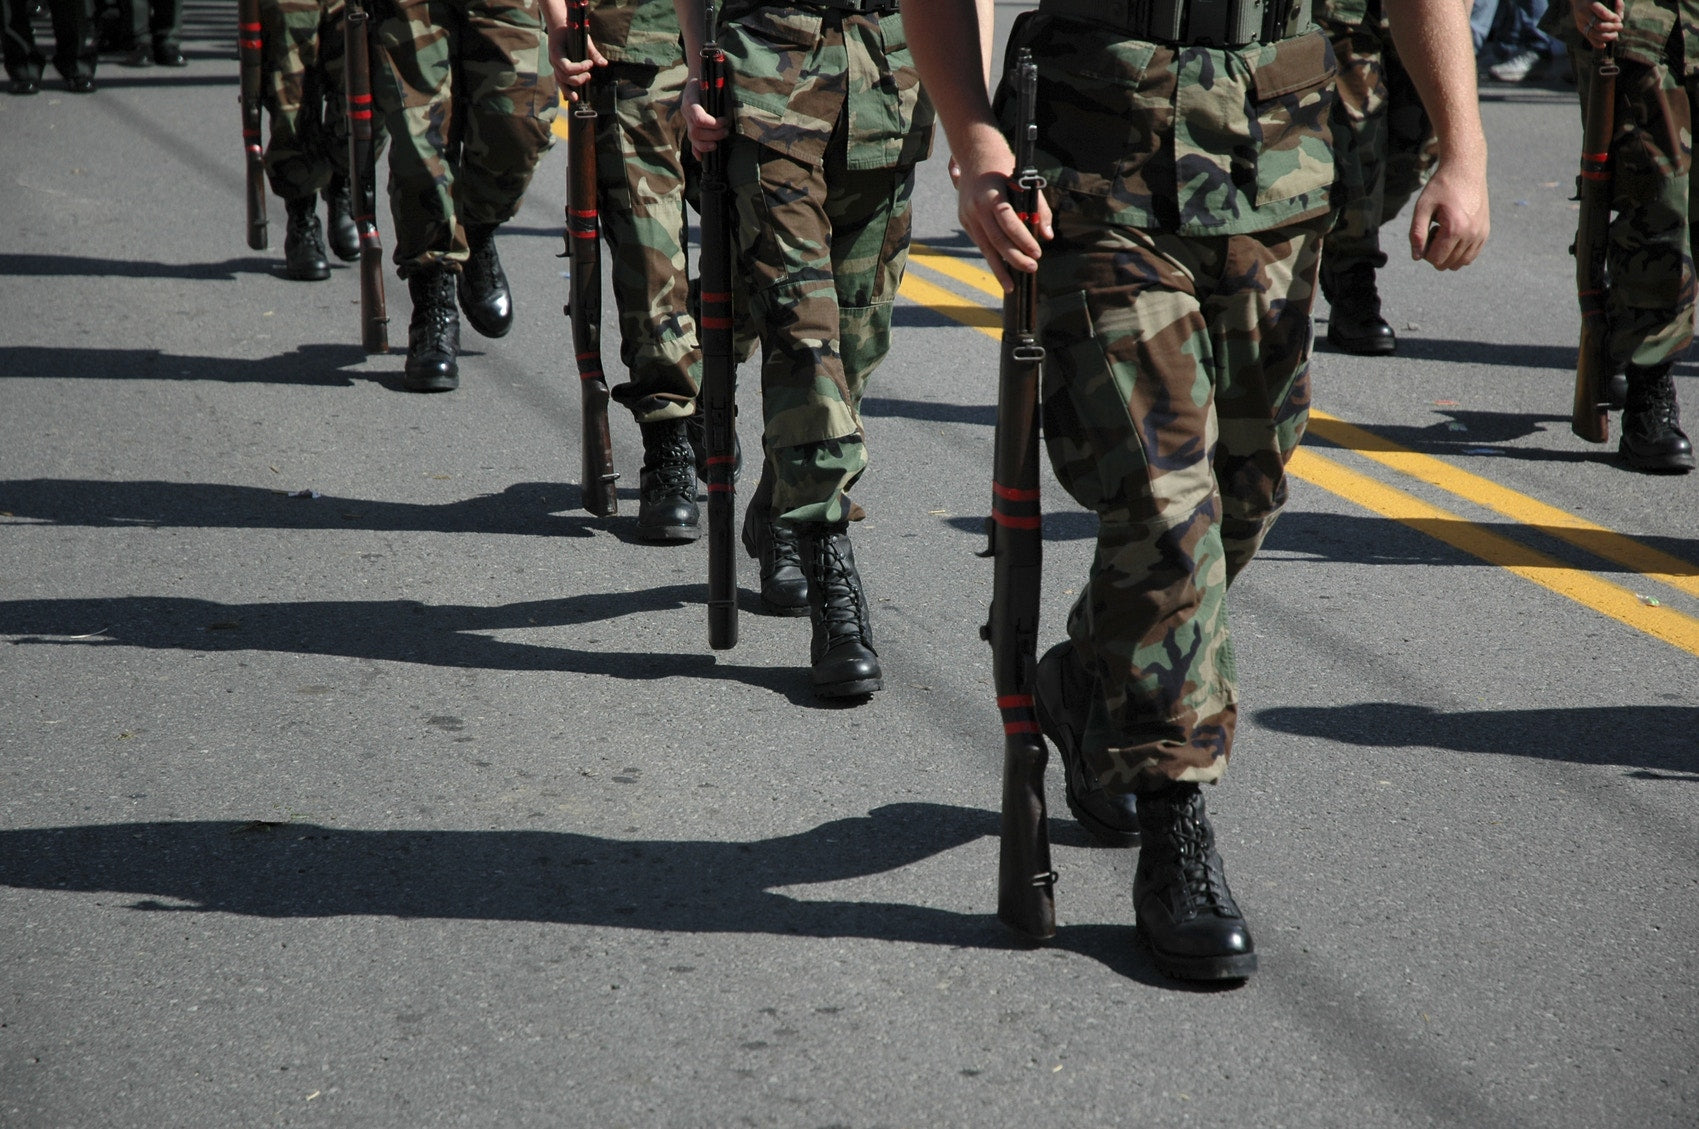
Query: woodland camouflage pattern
x=1190, y=140
x=305, y=95
x=1649, y=302
x=640, y=190
x=829, y=121
x=1177, y=337
x=636, y=31
x=468, y=96
x=1383, y=141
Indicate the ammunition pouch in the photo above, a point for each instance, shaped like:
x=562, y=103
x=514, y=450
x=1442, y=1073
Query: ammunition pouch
x=869, y=7
x=1191, y=23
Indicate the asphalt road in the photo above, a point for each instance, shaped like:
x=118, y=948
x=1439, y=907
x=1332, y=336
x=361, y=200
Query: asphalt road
x=422, y=801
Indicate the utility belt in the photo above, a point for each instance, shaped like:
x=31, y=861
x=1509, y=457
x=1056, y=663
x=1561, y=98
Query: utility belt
x=1189, y=23
x=870, y=7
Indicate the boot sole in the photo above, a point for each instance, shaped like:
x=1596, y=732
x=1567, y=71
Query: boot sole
x=307, y=276
x=785, y=610
x=671, y=535
x=431, y=384
x=1374, y=348
x=858, y=689
x=1238, y=966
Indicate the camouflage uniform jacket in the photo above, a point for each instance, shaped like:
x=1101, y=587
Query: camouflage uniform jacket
x=637, y=31
x=1353, y=12
x=797, y=69
x=1186, y=140
x=1653, y=32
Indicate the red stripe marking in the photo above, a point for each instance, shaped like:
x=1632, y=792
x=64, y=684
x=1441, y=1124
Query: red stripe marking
x=1595, y=175
x=1022, y=727
x=1013, y=494
x=716, y=323
x=720, y=488
x=722, y=460
x=1013, y=701
x=1017, y=522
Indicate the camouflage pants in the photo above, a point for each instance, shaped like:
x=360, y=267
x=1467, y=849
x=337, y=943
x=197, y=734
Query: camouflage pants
x=1649, y=259
x=640, y=177
x=305, y=95
x=822, y=250
x=1384, y=143
x=1176, y=385
x=468, y=96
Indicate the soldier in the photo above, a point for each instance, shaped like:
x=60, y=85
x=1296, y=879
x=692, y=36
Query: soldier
x=74, y=53
x=828, y=124
x=635, y=78
x=1174, y=308
x=306, y=155
x=1649, y=303
x=468, y=97
x=1385, y=152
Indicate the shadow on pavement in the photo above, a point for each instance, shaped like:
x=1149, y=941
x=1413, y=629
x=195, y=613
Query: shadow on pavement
x=290, y=870
x=1657, y=739
x=309, y=365
x=529, y=509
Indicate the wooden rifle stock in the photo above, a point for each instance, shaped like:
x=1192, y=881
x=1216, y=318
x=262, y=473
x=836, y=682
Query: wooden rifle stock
x=1025, y=881
x=362, y=177
x=719, y=367
x=250, y=39
x=1589, y=417
x=583, y=247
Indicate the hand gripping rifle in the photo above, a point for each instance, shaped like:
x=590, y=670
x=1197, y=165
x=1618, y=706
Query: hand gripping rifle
x=1025, y=896
x=362, y=177
x=583, y=247
x=719, y=368
x=249, y=41
x=1589, y=418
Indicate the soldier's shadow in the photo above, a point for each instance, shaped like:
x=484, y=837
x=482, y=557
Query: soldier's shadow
x=290, y=870
x=318, y=365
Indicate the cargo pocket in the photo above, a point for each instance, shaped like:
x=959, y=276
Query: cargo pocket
x=1089, y=433
x=1293, y=98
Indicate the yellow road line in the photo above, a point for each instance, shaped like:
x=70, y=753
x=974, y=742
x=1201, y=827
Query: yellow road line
x=958, y=268
x=952, y=305
x=1583, y=534
x=1584, y=588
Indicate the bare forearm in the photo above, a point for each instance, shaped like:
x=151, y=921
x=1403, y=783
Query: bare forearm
x=1435, y=47
x=951, y=41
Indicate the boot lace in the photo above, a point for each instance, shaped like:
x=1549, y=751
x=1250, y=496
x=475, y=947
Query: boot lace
x=841, y=609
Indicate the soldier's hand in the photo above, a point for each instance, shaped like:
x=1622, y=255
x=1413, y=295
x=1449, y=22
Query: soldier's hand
x=1451, y=221
x=705, y=130
x=1598, y=23
x=571, y=75
x=982, y=204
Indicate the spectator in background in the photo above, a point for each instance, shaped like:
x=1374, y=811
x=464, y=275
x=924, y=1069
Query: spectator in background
x=73, y=45
x=1511, y=33
x=155, y=32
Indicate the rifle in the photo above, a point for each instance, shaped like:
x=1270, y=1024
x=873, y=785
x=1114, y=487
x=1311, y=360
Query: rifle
x=583, y=247
x=1588, y=418
x=362, y=178
x=249, y=43
x=719, y=368
x=1015, y=541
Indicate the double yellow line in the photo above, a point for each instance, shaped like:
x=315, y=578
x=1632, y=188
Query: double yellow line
x=1644, y=611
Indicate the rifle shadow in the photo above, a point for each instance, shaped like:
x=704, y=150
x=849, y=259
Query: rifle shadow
x=1657, y=740
x=315, y=365
x=85, y=266
x=529, y=509
x=304, y=870
x=404, y=631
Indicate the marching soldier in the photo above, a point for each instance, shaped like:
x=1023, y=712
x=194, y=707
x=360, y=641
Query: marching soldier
x=306, y=155
x=468, y=97
x=1649, y=303
x=1174, y=309
x=828, y=124
x=1383, y=157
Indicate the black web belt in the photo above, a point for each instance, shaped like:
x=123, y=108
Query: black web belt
x=1188, y=23
x=871, y=7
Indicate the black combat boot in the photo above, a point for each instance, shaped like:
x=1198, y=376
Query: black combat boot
x=1652, y=439
x=433, y=337
x=483, y=284
x=303, y=242
x=773, y=544
x=1063, y=694
x=844, y=663
x=1185, y=913
x=339, y=206
x=1354, y=324
x=666, y=503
